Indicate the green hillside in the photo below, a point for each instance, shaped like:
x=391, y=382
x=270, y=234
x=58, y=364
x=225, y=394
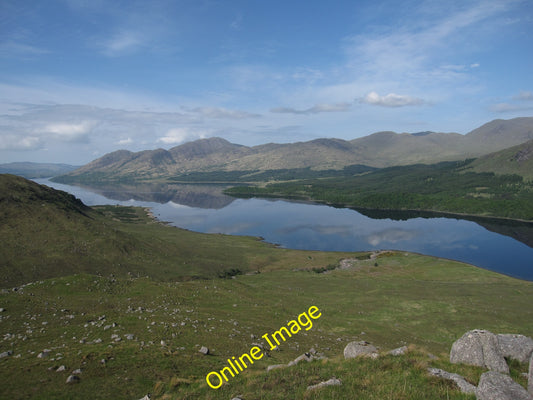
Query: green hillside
x=446, y=187
x=514, y=160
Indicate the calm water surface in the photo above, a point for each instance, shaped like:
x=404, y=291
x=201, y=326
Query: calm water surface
x=490, y=244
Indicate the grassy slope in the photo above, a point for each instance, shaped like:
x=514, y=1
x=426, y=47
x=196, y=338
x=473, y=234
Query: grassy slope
x=514, y=160
x=405, y=299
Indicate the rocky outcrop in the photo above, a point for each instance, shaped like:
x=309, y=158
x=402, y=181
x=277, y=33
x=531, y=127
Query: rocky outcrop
x=461, y=382
x=519, y=347
x=480, y=348
x=359, y=349
x=496, y=386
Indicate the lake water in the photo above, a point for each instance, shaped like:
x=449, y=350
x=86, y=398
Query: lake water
x=505, y=247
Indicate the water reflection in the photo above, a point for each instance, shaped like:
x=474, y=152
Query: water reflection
x=499, y=245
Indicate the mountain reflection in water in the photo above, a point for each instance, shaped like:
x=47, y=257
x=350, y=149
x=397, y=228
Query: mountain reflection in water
x=505, y=246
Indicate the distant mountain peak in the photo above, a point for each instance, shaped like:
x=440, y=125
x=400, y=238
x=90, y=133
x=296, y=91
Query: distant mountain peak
x=425, y=133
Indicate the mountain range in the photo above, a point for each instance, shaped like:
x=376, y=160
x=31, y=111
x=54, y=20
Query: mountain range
x=381, y=149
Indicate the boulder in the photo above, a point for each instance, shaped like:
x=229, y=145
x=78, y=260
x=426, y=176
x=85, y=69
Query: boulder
x=204, y=350
x=496, y=386
x=461, y=382
x=330, y=382
x=480, y=348
x=357, y=349
x=519, y=347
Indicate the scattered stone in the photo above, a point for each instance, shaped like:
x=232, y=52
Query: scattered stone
x=6, y=353
x=496, y=386
x=2, y=309
x=458, y=379
x=73, y=379
x=236, y=398
x=147, y=397
x=129, y=336
x=400, y=351
x=331, y=382
x=362, y=348
x=275, y=366
x=204, y=350
x=163, y=343
x=43, y=354
x=518, y=347
x=480, y=348
x=97, y=341
x=76, y=372
x=61, y=368
x=304, y=357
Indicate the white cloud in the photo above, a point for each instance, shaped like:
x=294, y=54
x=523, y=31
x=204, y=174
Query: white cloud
x=179, y=135
x=123, y=142
x=391, y=100
x=18, y=142
x=69, y=131
x=316, y=109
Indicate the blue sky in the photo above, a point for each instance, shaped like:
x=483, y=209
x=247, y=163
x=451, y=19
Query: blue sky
x=79, y=79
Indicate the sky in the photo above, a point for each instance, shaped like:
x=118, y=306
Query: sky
x=82, y=78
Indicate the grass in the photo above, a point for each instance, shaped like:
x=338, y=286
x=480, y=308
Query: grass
x=408, y=299
x=112, y=271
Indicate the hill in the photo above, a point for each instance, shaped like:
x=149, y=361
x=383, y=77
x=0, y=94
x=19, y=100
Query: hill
x=32, y=170
x=514, y=160
x=48, y=233
x=378, y=150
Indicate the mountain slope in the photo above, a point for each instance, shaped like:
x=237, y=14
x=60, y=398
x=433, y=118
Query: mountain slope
x=381, y=149
x=514, y=160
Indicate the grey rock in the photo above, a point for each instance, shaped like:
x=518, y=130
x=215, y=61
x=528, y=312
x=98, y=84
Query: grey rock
x=480, y=348
x=304, y=357
x=463, y=385
x=76, y=372
x=496, y=386
x=73, y=379
x=2, y=309
x=236, y=398
x=6, y=354
x=129, y=336
x=147, y=397
x=61, y=368
x=530, y=376
x=357, y=349
x=204, y=350
x=400, y=351
x=43, y=354
x=330, y=382
x=519, y=347
x=275, y=366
